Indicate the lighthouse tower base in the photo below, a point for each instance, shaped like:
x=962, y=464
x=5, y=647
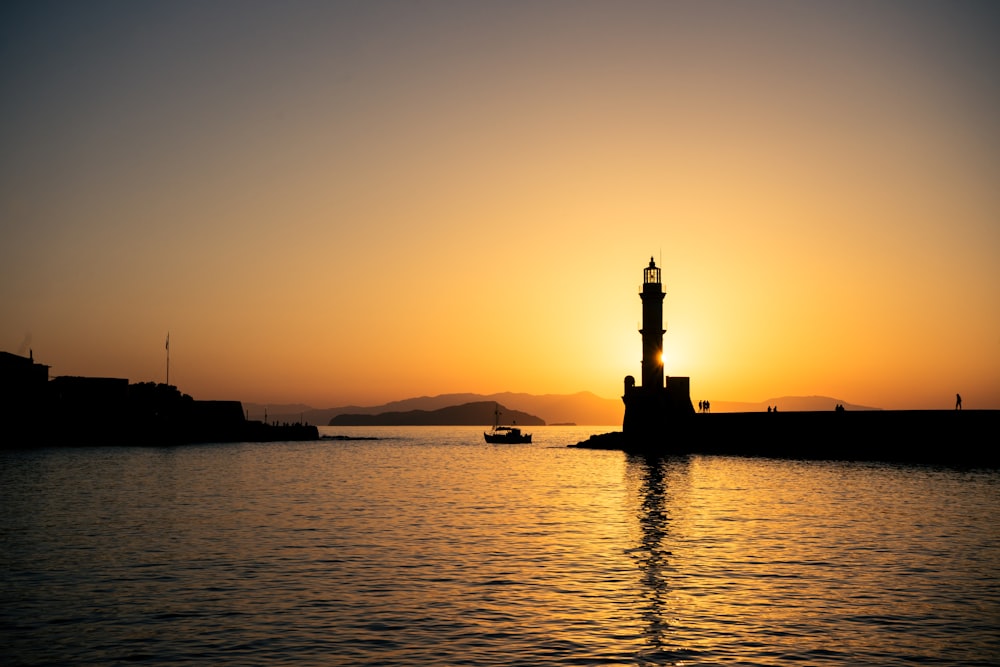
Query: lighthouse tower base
x=653, y=414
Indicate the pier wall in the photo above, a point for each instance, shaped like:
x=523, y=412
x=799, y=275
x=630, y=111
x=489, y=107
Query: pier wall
x=967, y=437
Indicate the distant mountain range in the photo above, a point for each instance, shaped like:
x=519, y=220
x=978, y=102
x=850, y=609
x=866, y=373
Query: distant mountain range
x=788, y=404
x=479, y=413
x=583, y=408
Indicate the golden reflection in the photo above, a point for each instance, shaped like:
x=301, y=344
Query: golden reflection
x=650, y=487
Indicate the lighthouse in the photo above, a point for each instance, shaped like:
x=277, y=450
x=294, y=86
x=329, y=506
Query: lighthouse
x=652, y=331
x=655, y=406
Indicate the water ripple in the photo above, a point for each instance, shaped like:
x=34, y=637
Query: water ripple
x=431, y=549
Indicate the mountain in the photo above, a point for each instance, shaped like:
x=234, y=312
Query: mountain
x=582, y=408
x=479, y=413
x=788, y=404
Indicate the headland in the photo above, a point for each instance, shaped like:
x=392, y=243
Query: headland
x=478, y=413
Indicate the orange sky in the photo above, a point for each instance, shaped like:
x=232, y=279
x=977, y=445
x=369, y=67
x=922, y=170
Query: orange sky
x=336, y=203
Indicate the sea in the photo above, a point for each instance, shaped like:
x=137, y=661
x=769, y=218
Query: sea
x=427, y=546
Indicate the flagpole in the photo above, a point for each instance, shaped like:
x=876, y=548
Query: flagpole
x=168, y=358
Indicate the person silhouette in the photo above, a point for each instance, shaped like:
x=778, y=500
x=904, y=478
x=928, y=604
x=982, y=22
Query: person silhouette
x=958, y=401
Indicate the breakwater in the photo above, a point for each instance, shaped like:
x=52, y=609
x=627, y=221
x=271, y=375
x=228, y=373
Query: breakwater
x=130, y=431
x=960, y=437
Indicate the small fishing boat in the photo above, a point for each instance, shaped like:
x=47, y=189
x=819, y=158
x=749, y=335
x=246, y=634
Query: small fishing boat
x=504, y=434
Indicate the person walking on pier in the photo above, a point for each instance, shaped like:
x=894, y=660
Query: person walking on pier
x=958, y=401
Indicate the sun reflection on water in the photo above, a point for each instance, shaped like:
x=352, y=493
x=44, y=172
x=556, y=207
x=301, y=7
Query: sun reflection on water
x=428, y=547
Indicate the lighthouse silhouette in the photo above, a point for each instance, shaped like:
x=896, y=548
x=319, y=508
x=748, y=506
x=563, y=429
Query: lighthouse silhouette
x=656, y=405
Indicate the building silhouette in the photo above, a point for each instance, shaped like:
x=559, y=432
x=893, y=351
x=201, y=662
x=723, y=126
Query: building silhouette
x=69, y=410
x=23, y=391
x=660, y=402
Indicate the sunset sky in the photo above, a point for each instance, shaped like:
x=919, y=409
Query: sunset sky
x=356, y=202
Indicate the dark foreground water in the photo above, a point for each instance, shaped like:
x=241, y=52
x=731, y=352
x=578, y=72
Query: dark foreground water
x=430, y=547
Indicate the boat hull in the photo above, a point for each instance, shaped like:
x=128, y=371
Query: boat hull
x=507, y=438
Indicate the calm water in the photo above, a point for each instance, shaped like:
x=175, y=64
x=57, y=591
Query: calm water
x=430, y=547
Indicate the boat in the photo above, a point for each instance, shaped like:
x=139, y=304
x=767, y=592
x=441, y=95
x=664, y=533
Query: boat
x=504, y=434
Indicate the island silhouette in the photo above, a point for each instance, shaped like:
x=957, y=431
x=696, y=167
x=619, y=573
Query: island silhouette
x=479, y=413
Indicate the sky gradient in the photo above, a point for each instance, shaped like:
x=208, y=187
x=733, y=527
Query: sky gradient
x=358, y=202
